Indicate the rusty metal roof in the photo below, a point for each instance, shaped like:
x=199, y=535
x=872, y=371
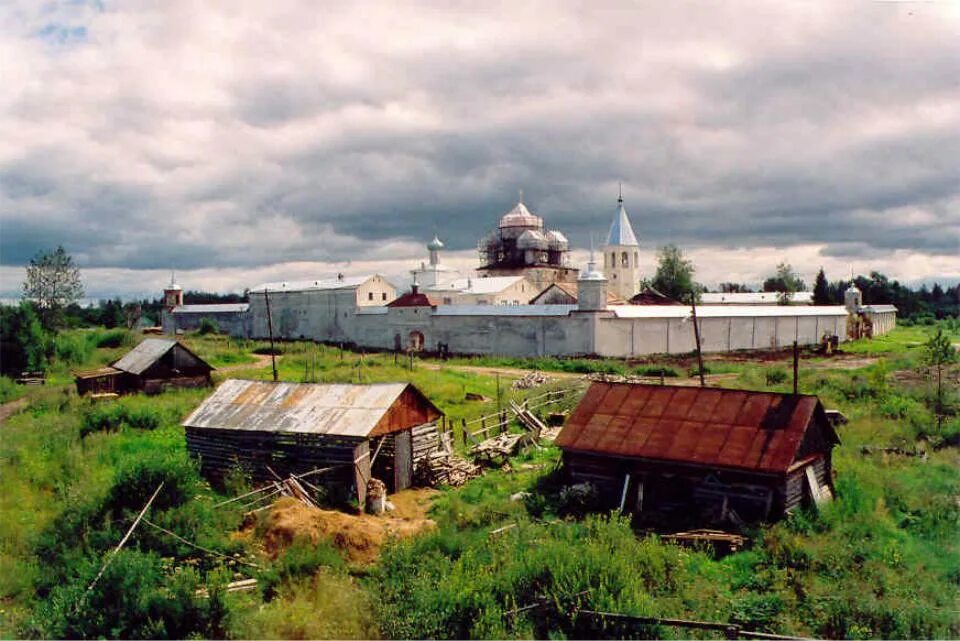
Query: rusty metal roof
x=305, y=408
x=703, y=426
x=138, y=359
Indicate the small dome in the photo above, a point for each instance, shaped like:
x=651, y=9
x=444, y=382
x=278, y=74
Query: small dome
x=556, y=240
x=435, y=244
x=531, y=239
x=520, y=216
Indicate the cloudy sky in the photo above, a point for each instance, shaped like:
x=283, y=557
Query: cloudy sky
x=247, y=141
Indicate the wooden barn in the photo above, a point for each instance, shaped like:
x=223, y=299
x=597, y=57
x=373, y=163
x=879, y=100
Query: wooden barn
x=265, y=428
x=152, y=366
x=719, y=453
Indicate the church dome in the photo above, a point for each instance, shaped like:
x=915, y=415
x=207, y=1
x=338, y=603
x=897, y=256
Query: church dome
x=520, y=216
x=435, y=244
x=557, y=241
x=531, y=239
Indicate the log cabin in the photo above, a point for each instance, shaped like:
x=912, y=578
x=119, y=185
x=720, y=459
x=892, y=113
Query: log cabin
x=266, y=429
x=151, y=367
x=720, y=453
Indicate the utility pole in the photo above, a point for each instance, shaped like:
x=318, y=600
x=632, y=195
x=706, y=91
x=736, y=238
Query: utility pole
x=796, y=368
x=696, y=335
x=273, y=352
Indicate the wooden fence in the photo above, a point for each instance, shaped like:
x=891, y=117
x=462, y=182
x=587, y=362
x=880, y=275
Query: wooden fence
x=499, y=422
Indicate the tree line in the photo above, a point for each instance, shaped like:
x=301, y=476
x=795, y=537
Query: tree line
x=675, y=274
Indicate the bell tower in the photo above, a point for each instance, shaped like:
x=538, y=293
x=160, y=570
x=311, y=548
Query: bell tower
x=172, y=294
x=621, y=255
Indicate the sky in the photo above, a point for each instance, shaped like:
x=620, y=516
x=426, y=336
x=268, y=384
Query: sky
x=242, y=142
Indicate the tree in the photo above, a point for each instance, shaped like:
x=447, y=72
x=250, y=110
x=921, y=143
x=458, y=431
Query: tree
x=938, y=352
x=52, y=283
x=25, y=346
x=821, y=289
x=735, y=288
x=786, y=281
x=674, y=276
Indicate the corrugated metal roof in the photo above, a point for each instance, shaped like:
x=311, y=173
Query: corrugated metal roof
x=347, y=282
x=483, y=285
x=138, y=359
x=723, y=311
x=704, y=426
x=504, y=310
x=878, y=309
x=219, y=308
x=303, y=408
x=753, y=298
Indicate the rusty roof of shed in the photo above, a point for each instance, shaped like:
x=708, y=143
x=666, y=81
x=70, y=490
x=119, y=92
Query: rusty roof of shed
x=304, y=408
x=704, y=426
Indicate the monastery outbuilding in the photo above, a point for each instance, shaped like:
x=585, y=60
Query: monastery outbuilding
x=152, y=366
x=736, y=454
x=357, y=431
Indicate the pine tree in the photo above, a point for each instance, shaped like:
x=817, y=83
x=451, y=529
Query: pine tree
x=821, y=289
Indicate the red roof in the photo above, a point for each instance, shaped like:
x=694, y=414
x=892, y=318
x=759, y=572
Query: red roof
x=704, y=426
x=414, y=299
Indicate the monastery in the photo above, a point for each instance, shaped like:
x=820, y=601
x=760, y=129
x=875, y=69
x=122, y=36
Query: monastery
x=525, y=299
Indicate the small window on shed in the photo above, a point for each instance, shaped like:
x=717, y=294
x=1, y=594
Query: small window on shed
x=369, y=295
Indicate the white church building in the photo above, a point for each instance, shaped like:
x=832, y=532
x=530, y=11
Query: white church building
x=473, y=314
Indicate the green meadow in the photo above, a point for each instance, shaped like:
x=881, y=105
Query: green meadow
x=882, y=560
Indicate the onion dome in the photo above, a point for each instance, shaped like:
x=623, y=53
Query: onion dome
x=435, y=244
x=557, y=241
x=520, y=216
x=531, y=239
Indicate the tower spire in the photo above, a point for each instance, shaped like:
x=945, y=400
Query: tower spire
x=620, y=196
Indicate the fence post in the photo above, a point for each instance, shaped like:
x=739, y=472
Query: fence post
x=463, y=431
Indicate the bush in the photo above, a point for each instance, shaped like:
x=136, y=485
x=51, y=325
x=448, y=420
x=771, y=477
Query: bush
x=656, y=370
x=303, y=558
x=72, y=348
x=135, y=598
x=109, y=417
x=776, y=376
x=114, y=338
x=207, y=326
x=9, y=389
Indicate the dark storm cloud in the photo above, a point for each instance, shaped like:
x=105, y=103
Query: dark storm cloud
x=249, y=140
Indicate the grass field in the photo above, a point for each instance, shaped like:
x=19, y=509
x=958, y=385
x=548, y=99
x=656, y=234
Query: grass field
x=883, y=560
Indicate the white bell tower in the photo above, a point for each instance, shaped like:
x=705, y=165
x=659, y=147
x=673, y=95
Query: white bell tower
x=621, y=255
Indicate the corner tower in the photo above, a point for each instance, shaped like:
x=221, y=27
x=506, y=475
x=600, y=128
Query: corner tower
x=621, y=255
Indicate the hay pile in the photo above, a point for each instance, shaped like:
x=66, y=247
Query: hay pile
x=358, y=537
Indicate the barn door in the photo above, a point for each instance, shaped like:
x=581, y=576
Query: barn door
x=402, y=461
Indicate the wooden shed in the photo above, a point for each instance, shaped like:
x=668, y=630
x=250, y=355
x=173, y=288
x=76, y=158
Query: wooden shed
x=152, y=366
x=380, y=430
x=724, y=453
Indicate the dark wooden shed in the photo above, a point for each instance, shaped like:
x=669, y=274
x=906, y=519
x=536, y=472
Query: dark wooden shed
x=152, y=366
x=378, y=430
x=672, y=448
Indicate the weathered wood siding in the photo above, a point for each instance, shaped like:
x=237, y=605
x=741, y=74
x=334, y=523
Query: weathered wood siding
x=395, y=465
x=252, y=452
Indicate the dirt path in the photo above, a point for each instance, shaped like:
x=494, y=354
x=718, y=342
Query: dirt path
x=9, y=409
x=841, y=363
x=263, y=360
x=509, y=372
